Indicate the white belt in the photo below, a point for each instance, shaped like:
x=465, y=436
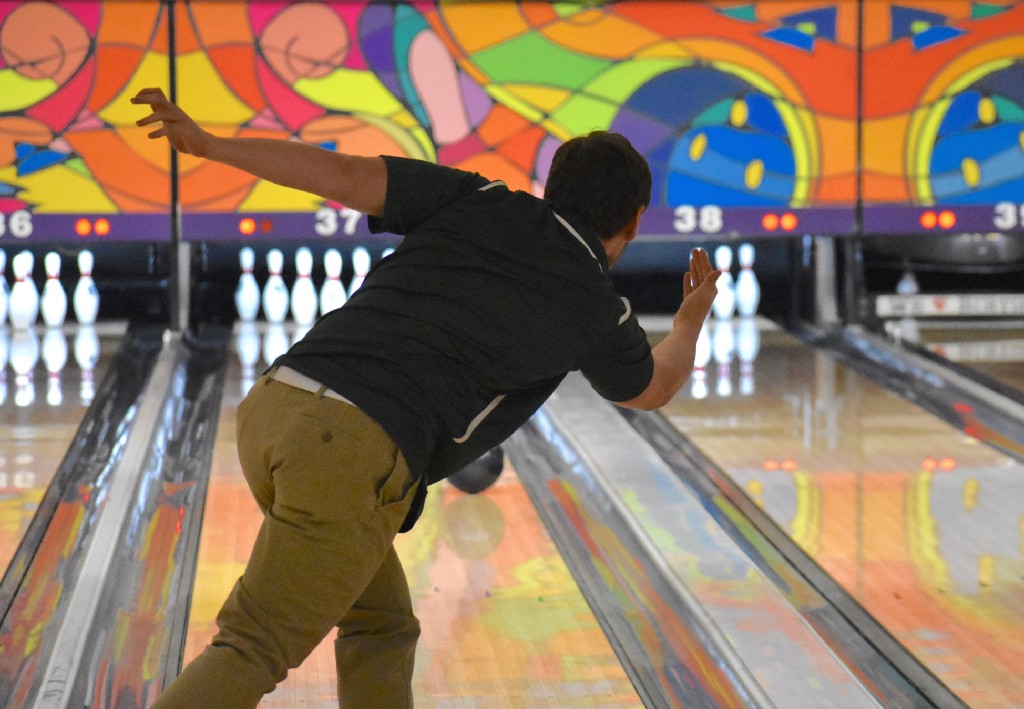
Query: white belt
x=287, y=375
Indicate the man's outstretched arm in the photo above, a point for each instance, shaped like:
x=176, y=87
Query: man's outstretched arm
x=356, y=182
x=673, y=356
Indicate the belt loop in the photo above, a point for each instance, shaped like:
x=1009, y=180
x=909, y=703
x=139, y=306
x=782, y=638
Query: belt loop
x=320, y=392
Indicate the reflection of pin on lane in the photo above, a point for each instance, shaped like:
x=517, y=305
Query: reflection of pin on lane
x=55, y=356
x=248, y=345
x=748, y=343
x=87, y=354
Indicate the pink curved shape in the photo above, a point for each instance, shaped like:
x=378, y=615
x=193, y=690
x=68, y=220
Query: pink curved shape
x=436, y=79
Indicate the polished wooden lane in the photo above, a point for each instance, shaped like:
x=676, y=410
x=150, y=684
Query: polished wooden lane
x=919, y=522
x=504, y=623
x=992, y=348
x=48, y=378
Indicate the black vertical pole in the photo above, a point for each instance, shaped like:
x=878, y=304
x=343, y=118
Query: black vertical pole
x=178, y=288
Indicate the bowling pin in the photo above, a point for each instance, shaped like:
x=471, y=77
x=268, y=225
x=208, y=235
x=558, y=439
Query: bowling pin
x=54, y=303
x=748, y=290
x=304, y=298
x=361, y=266
x=5, y=292
x=23, y=309
x=748, y=343
x=332, y=293
x=86, y=298
x=724, y=349
x=908, y=284
x=247, y=294
x=724, y=306
x=701, y=358
x=87, y=354
x=275, y=292
x=55, y=356
x=5, y=348
x=386, y=252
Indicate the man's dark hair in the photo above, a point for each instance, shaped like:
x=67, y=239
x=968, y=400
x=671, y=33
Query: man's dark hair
x=600, y=179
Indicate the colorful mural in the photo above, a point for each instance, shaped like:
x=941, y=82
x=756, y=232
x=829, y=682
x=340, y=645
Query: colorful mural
x=757, y=117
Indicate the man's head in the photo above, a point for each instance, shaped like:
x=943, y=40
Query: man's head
x=601, y=180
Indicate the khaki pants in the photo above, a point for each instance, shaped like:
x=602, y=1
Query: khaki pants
x=334, y=489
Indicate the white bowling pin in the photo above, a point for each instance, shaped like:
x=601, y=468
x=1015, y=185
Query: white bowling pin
x=54, y=303
x=5, y=292
x=86, y=297
x=908, y=284
x=275, y=292
x=55, y=356
x=361, y=266
x=748, y=290
x=5, y=348
x=304, y=299
x=386, y=252
x=87, y=354
x=724, y=306
x=332, y=293
x=748, y=344
x=23, y=309
x=247, y=294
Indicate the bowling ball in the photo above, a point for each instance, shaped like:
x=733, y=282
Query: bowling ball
x=481, y=473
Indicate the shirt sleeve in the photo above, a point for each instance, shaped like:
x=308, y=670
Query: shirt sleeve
x=416, y=190
x=619, y=365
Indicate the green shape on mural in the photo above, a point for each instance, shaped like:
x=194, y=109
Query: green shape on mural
x=1007, y=110
x=532, y=58
x=716, y=114
x=620, y=81
x=583, y=113
x=981, y=10
x=747, y=13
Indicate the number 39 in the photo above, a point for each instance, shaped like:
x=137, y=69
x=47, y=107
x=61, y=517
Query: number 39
x=1008, y=216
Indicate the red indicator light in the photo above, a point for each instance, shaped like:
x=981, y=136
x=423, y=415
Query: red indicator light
x=770, y=222
x=83, y=227
x=789, y=465
x=947, y=464
x=247, y=226
x=102, y=227
x=266, y=225
x=947, y=219
x=788, y=221
x=771, y=465
x=929, y=220
x=929, y=464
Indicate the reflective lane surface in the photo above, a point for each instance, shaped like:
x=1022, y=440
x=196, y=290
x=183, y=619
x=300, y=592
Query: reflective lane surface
x=48, y=378
x=504, y=624
x=922, y=524
x=994, y=349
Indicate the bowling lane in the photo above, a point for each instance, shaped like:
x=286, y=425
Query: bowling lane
x=504, y=623
x=920, y=523
x=994, y=348
x=47, y=382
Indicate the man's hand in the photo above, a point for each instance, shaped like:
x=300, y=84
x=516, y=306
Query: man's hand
x=181, y=131
x=699, y=290
x=673, y=356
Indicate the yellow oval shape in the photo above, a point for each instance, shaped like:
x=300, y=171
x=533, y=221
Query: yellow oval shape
x=754, y=174
x=1020, y=139
x=697, y=146
x=739, y=113
x=971, y=172
x=987, y=112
